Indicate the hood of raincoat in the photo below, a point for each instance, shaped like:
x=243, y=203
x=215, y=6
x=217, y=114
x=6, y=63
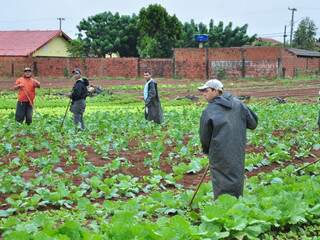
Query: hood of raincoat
x=224, y=100
x=85, y=81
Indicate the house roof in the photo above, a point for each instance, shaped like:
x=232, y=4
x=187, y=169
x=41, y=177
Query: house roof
x=271, y=40
x=24, y=43
x=304, y=53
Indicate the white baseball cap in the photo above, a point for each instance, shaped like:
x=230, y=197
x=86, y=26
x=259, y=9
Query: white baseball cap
x=212, y=83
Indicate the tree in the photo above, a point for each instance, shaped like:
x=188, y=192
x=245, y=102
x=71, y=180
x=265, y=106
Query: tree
x=305, y=35
x=153, y=33
x=158, y=30
x=220, y=36
x=148, y=47
x=189, y=31
x=108, y=33
x=76, y=48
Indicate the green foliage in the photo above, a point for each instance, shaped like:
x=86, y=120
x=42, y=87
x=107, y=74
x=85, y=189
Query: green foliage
x=305, y=35
x=306, y=232
x=65, y=72
x=159, y=32
x=151, y=34
x=266, y=43
x=188, y=34
x=76, y=48
x=107, y=33
x=70, y=196
x=148, y=47
x=220, y=36
x=221, y=73
x=262, y=44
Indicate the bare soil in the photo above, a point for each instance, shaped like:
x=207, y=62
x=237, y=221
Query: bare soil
x=139, y=169
x=237, y=87
x=136, y=157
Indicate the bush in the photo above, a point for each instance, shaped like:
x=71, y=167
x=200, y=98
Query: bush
x=65, y=72
x=220, y=73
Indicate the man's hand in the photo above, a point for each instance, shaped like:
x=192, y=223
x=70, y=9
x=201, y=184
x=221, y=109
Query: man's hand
x=36, y=84
x=90, y=89
x=17, y=86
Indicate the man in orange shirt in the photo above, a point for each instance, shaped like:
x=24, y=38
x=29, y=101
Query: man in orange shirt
x=26, y=86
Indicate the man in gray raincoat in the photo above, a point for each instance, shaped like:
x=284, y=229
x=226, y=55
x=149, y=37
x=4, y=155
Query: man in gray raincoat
x=78, y=98
x=153, y=110
x=223, y=127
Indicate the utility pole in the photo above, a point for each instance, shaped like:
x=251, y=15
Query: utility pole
x=284, y=36
x=60, y=22
x=292, y=17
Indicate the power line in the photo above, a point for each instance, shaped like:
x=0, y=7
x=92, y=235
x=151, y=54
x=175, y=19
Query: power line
x=298, y=20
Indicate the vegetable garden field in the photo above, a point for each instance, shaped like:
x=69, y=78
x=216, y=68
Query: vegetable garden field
x=125, y=178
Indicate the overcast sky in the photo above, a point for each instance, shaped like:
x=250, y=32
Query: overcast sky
x=266, y=18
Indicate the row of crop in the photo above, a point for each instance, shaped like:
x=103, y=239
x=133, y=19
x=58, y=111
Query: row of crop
x=275, y=200
x=112, y=133
x=297, y=124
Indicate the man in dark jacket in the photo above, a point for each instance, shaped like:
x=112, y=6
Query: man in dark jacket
x=223, y=127
x=78, y=98
x=153, y=110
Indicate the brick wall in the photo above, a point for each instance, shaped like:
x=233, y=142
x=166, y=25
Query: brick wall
x=227, y=60
x=13, y=66
x=262, y=53
x=113, y=67
x=224, y=54
x=234, y=62
x=296, y=65
x=158, y=67
x=290, y=62
x=192, y=63
x=241, y=62
x=92, y=67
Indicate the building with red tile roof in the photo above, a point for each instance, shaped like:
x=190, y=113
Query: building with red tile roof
x=34, y=43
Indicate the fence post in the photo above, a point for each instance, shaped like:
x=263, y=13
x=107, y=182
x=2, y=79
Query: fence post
x=12, y=69
x=243, y=63
x=138, y=67
x=279, y=67
x=35, y=68
x=207, y=63
x=174, y=63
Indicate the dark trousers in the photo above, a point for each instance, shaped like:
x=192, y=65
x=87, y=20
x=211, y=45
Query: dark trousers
x=77, y=108
x=24, y=112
